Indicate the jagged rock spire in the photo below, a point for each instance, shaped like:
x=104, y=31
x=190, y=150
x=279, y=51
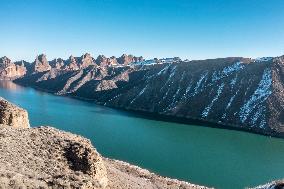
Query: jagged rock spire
x=41, y=64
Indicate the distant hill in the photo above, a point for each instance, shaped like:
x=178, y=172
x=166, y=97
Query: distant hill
x=234, y=93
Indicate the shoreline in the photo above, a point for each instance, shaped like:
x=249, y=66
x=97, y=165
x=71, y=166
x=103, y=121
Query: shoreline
x=167, y=118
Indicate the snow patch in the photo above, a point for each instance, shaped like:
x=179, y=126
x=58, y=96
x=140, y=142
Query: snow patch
x=188, y=88
x=233, y=82
x=113, y=98
x=145, y=62
x=173, y=71
x=164, y=69
x=233, y=68
x=198, y=85
x=260, y=95
x=208, y=108
x=140, y=93
x=263, y=59
x=231, y=100
x=227, y=71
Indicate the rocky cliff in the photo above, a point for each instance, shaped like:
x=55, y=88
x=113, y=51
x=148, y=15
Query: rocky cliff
x=11, y=115
x=44, y=157
x=239, y=93
x=47, y=158
x=10, y=70
x=41, y=64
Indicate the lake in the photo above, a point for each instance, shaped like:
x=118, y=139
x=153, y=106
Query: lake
x=201, y=155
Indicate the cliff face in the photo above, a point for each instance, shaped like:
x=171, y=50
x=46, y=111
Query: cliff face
x=47, y=158
x=11, y=115
x=275, y=101
x=41, y=64
x=233, y=92
x=9, y=70
x=126, y=59
x=44, y=157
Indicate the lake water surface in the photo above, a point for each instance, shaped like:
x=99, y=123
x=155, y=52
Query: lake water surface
x=220, y=158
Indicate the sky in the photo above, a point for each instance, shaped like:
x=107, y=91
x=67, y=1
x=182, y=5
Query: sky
x=192, y=29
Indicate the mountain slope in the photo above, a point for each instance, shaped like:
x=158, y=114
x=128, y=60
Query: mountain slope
x=232, y=92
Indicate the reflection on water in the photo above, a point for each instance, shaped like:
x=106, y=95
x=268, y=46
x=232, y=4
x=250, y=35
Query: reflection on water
x=10, y=85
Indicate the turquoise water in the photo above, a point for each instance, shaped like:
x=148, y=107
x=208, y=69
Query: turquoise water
x=213, y=157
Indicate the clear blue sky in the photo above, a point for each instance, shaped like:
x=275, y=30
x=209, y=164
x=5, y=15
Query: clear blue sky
x=194, y=29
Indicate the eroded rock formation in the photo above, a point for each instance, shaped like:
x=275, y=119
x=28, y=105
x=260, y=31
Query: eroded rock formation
x=48, y=158
x=12, y=115
x=126, y=59
x=41, y=64
x=9, y=70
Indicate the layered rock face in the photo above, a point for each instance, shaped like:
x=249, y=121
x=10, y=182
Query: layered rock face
x=76, y=63
x=235, y=92
x=11, y=115
x=9, y=70
x=41, y=64
x=126, y=59
x=104, y=61
x=44, y=157
x=57, y=63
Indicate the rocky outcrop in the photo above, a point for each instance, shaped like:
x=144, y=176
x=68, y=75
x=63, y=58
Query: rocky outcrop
x=11, y=115
x=86, y=60
x=9, y=70
x=77, y=63
x=48, y=158
x=71, y=64
x=57, y=63
x=104, y=61
x=41, y=64
x=126, y=59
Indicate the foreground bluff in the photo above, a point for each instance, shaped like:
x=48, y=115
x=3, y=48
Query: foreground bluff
x=13, y=116
x=44, y=157
x=236, y=92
